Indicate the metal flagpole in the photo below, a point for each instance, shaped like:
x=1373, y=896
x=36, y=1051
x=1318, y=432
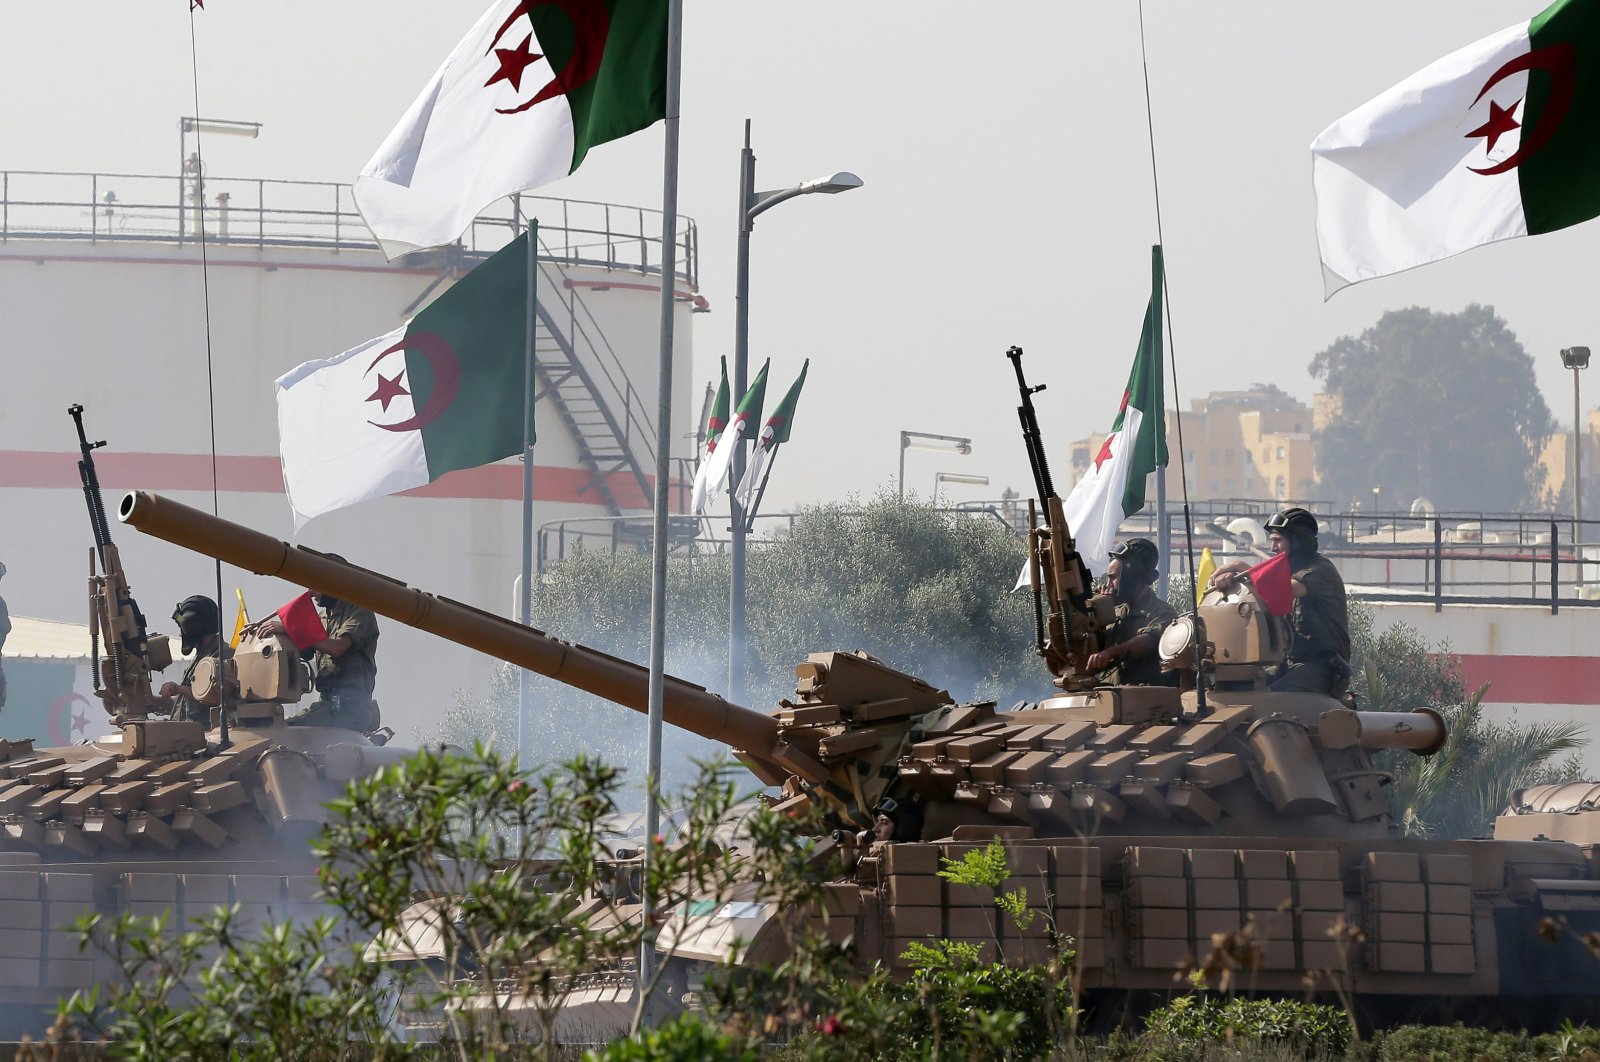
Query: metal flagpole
x=525, y=599
x=1163, y=532
x=658, y=581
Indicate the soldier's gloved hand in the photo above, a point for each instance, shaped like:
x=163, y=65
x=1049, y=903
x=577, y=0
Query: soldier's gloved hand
x=168, y=689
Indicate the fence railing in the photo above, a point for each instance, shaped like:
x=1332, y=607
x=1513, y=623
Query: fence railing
x=1464, y=558
x=250, y=212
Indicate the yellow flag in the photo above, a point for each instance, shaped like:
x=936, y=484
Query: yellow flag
x=1208, y=568
x=241, y=623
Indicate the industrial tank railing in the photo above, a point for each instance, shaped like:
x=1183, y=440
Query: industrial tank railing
x=250, y=212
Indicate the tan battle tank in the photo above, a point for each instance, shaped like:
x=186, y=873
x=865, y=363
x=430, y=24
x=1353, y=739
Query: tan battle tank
x=1143, y=819
x=157, y=815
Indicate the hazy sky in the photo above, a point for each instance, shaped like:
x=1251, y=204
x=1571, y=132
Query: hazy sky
x=1008, y=195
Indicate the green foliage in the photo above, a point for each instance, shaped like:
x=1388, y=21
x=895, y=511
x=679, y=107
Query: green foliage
x=927, y=592
x=1440, y=1043
x=1185, y=1027
x=953, y=1006
x=686, y=1037
x=981, y=867
x=1399, y=421
x=290, y=993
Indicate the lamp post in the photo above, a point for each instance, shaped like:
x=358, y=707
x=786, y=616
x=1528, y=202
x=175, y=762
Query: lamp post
x=1576, y=359
x=220, y=126
x=751, y=204
x=956, y=477
x=921, y=440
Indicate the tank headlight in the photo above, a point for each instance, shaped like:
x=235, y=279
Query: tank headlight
x=1178, y=640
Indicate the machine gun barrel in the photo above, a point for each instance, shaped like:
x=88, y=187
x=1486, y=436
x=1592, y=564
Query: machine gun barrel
x=686, y=705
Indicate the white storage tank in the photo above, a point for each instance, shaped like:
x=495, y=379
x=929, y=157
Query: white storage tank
x=103, y=303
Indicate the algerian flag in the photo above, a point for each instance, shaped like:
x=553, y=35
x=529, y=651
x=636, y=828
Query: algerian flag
x=733, y=435
x=524, y=96
x=1497, y=140
x=714, y=425
x=440, y=393
x=773, y=435
x=1113, y=487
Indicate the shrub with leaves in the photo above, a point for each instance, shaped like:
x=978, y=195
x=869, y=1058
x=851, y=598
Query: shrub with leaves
x=1302, y=1029
x=290, y=992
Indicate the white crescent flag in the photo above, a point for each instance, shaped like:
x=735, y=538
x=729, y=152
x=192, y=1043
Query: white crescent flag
x=718, y=463
x=1094, y=508
x=752, y=472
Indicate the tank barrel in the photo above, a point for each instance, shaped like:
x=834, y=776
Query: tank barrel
x=1422, y=731
x=688, y=706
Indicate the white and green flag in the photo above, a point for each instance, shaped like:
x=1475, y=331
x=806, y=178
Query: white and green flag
x=734, y=435
x=716, y=423
x=1113, y=487
x=773, y=435
x=518, y=104
x=441, y=393
x=1497, y=140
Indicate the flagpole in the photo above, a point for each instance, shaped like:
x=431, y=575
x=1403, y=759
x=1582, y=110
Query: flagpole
x=658, y=581
x=1163, y=532
x=530, y=229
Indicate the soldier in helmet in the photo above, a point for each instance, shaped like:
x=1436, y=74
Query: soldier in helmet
x=198, y=621
x=1129, y=658
x=5, y=629
x=344, y=664
x=1319, y=652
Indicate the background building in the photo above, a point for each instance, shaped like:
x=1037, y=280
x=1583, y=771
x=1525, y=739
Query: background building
x=1237, y=444
x=103, y=284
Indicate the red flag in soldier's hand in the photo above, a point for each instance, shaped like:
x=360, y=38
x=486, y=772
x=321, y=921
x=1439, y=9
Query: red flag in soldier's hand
x=301, y=622
x=1271, y=580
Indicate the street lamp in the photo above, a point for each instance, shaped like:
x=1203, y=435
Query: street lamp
x=921, y=440
x=955, y=477
x=751, y=204
x=1576, y=358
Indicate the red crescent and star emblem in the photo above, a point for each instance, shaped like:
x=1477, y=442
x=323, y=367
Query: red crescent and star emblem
x=65, y=723
x=1105, y=448
x=446, y=369
x=591, y=23
x=1557, y=60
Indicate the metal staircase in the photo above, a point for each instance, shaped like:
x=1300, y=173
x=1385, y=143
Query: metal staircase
x=586, y=386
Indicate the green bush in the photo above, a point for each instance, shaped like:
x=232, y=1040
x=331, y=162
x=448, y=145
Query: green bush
x=1184, y=1028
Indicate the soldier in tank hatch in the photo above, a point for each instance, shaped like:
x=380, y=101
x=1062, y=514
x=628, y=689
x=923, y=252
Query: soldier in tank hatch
x=198, y=621
x=344, y=665
x=1319, y=651
x=1129, y=658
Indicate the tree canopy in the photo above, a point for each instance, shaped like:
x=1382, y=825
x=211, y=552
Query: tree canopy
x=926, y=592
x=1436, y=405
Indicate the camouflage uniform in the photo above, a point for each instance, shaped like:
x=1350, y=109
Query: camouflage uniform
x=1147, y=614
x=345, y=682
x=1319, y=651
x=186, y=708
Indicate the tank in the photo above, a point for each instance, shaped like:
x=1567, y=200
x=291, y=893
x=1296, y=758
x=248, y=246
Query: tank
x=158, y=816
x=1149, y=822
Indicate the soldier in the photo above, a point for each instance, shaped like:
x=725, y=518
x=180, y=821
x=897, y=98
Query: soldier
x=1319, y=652
x=1130, y=657
x=5, y=629
x=345, y=665
x=197, y=618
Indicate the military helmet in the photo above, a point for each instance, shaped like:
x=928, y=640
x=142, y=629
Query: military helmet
x=1295, y=521
x=1139, y=554
x=196, y=617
